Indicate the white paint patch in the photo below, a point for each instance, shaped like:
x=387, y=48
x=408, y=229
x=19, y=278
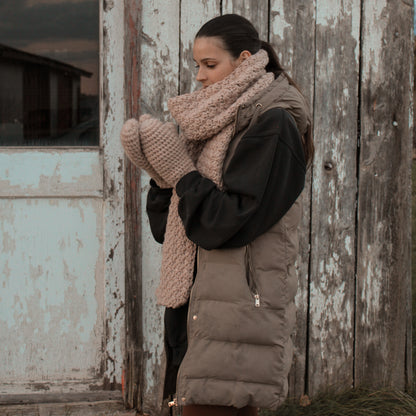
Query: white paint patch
x=279, y=22
x=328, y=12
x=371, y=289
x=348, y=245
x=355, y=10
x=373, y=41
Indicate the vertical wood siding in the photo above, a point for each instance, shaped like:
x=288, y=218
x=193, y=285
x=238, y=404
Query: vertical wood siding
x=383, y=335
x=159, y=81
x=132, y=227
x=352, y=59
x=112, y=115
x=334, y=187
x=292, y=33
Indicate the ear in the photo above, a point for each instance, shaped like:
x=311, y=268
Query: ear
x=244, y=55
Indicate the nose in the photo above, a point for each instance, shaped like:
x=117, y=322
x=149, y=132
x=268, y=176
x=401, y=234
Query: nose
x=200, y=76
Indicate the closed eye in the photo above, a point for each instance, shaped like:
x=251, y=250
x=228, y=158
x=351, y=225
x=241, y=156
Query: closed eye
x=206, y=64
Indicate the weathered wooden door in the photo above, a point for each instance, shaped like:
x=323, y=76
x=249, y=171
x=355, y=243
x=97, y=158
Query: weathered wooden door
x=62, y=207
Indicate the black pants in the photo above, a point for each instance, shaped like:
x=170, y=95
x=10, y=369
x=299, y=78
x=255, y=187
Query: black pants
x=176, y=343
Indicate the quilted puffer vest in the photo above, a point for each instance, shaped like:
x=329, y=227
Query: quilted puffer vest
x=242, y=311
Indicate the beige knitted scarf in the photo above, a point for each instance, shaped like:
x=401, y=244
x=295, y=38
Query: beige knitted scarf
x=206, y=118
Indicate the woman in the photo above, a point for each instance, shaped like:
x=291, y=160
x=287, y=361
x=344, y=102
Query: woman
x=225, y=203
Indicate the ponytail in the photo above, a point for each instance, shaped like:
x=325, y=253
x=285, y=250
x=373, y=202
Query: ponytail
x=274, y=64
x=277, y=69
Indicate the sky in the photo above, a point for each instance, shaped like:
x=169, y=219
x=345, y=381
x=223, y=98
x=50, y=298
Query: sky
x=65, y=30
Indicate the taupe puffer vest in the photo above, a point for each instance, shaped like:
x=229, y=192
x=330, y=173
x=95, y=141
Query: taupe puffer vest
x=242, y=311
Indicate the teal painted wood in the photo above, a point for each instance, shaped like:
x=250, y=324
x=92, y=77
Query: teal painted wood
x=51, y=309
x=62, y=251
x=45, y=172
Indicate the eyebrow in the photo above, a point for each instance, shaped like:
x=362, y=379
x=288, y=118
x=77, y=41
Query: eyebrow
x=205, y=59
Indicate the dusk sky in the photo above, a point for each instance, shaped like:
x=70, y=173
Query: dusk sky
x=65, y=30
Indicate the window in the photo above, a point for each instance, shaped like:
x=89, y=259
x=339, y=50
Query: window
x=49, y=73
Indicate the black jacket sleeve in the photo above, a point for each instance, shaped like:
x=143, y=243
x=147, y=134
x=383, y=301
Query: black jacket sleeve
x=157, y=208
x=263, y=179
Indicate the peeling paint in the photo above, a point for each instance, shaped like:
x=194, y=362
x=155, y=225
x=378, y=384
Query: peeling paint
x=112, y=119
x=61, y=210
x=51, y=293
x=374, y=40
x=280, y=23
x=50, y=173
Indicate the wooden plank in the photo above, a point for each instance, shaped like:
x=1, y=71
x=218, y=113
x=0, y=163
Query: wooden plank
x=132, y=229
x=257, y=11
x=51, y=324
x=332, y=280
x=47, y=397
x=51, y=173
x=292, y=34
x=111, y=121
x=383, y=335
x=193, y=16
x=160, y=67
x=108, y=408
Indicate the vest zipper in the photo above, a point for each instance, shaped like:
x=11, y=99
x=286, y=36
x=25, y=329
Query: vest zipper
x=250, y=278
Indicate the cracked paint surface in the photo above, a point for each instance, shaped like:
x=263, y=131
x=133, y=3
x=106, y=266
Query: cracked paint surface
x=50, y=303
x=59, y=172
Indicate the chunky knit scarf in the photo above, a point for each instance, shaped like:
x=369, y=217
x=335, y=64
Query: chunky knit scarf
x=206, y=118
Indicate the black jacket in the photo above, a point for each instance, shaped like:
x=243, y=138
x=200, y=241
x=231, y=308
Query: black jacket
x=263, y=179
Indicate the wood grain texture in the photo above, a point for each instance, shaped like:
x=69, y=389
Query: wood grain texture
x=292, y=30
x=108, y=408
x=112, y=117
x=257, y=11
x=383, y=336
x=332, y=279
x=345, y=268
x=132, y=226
x=159, y=82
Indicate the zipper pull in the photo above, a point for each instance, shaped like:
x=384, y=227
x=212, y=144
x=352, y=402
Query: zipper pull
x=174, y=402
x=257, y=300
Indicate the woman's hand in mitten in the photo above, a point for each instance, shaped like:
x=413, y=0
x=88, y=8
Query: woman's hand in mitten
x=131, y=142
x=164, y=149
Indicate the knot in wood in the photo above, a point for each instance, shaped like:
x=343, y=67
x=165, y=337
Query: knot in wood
x=328, y=166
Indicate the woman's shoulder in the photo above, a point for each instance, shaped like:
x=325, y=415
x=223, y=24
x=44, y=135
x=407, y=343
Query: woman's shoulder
x=283, y=95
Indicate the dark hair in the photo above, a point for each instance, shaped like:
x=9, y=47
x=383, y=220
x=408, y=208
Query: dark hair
x=238, y=34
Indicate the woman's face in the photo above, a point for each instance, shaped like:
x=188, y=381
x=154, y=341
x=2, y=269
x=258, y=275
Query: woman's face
x=214, y=63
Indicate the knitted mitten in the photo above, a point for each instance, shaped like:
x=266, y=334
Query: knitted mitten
x=131, y=142
x=164, y=149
